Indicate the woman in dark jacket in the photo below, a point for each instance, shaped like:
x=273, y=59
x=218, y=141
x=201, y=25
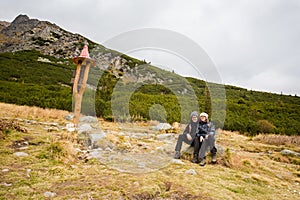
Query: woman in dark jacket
x=188, y=135
x=205, y=140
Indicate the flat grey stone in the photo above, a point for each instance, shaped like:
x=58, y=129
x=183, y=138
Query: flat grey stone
x=21, y=154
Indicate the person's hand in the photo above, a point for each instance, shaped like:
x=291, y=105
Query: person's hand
x=201, y=138
x=189, y=137
x=206, y=136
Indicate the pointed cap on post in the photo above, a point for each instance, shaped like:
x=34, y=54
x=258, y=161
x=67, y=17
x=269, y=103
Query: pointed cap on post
x=84, y=55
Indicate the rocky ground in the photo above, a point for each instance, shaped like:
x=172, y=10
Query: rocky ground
x=43, y=157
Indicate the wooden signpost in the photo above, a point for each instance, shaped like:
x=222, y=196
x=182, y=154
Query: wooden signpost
x=83, y=62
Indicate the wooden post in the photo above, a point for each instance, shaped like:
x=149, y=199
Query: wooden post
x=80, y=85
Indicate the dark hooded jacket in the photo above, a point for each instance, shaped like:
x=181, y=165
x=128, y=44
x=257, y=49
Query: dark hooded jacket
x=192, y=127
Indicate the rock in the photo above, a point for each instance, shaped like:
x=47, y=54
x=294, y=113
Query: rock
x=136, y=184
x=177, y=161
x=191, y=172
x=94, y=137
x=21, y=154
x=70, y=127
x=163, y=126
x=289, y=152
x=84, y=128
x=49, y=194
x=69, y=117
x=88, y=119
x=5, y=170
x=7, y=184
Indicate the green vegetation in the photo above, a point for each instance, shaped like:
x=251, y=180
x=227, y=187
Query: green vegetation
x=26, y=80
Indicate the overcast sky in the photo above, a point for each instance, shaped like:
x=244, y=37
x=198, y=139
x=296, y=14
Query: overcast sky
x=254, y=44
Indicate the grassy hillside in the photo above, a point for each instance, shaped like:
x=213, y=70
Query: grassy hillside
x=30, y=78
x=248, y=167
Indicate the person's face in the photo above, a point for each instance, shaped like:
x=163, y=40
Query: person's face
x=194, y=118
x=203, y=118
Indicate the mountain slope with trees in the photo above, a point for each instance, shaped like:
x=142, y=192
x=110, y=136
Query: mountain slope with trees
x=39, y=73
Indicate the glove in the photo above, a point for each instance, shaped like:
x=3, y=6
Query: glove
x=189, y=137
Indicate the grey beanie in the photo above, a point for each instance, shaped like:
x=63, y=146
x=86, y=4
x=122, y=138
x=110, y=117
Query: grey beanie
x=194, y=113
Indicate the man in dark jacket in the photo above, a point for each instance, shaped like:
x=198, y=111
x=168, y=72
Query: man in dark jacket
x=205, y=139
x=188, y=135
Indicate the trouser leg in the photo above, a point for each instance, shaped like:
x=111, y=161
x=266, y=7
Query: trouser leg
x=203, y=149
x=181, y=138
x=197, y=145
x=208, y=144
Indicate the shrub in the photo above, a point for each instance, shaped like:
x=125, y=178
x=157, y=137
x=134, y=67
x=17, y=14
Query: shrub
x=264, y=126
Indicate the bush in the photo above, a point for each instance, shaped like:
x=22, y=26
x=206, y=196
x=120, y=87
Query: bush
x=264, y=126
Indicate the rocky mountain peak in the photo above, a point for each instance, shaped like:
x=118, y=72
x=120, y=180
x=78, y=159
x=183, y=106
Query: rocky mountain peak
x=24, y=33
x=20, y=19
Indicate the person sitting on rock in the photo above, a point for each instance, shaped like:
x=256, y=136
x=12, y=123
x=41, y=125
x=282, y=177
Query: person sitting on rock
x=188, y=135
x=205, y=140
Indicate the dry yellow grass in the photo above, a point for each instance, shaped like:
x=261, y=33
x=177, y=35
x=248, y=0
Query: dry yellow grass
x=27, y=112
x=254, y=169
x=278, y=139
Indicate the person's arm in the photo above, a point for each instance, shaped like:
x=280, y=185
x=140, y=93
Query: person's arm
x=212, y=130
x=187, y=129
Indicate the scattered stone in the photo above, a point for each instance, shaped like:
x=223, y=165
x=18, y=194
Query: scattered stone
x=22, y=148
x=5, y=170
x=49, y=194
x=54, y=124
x=84, y=128
x=191, y=172
x=69, y=117
x=21, y=154
x=7, y=184
x=70, y=127
x=136, y=184
x=95, y=136
x=162, y=126
x=289, y=152
x=88, y=119
x=177, y=161
x=41, y=59
x=74, y=167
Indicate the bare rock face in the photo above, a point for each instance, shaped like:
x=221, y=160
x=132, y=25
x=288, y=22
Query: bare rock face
x=3, y=24
x=21, y=24
x=28, y=34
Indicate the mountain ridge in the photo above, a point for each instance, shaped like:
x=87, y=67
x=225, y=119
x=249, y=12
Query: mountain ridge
x=36, y=68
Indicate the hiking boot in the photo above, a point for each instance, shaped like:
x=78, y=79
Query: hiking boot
x=177, y=155
x=203, y=162
x=195, y=159
x=214, y=158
